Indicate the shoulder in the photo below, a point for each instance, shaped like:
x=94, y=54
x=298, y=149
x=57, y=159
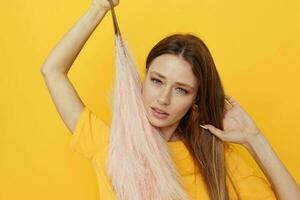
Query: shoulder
x=91, y=133
x=244, y=178
x=235, y=161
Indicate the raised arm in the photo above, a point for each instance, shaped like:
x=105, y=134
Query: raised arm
x=56, y=66
x=240, y=128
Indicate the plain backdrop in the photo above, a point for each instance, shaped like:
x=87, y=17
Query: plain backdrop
x=255, y=45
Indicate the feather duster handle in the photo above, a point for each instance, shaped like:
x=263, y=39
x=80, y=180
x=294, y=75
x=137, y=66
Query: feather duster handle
x=139, y=163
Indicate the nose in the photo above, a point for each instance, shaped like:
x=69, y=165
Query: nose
x=164, y=98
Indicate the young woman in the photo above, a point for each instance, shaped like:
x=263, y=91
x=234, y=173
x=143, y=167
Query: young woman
x=182, y=89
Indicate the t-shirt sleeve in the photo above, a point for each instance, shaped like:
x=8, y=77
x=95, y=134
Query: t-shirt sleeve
x=249, y=184
x=90, y=133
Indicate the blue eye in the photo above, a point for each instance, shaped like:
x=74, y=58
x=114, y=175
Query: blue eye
x=155, y=80
x=158, y=81
x=184, y=91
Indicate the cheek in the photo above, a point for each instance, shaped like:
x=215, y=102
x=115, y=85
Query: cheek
x=181, y=108
x=148, y=92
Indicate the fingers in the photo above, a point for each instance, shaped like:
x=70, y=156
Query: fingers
x=203, y=127
x=217, y=132
x=227, y=105
x=231, y=100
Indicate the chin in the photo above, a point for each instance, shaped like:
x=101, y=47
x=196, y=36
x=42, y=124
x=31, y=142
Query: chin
x=157, y=123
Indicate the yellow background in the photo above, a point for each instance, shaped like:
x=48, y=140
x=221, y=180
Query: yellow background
x=255, y=45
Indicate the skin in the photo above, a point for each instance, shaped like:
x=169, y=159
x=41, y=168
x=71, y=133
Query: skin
x=165, y=94
x=241, y=129
x=238, y=125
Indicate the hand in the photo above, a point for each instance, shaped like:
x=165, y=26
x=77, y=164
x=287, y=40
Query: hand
x=237, y=124
x=104, y=4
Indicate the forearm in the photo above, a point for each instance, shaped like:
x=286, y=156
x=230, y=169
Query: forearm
x=281, y=180
x=63, y=55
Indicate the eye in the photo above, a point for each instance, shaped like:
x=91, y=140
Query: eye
x=184, y=91
x=155, y=80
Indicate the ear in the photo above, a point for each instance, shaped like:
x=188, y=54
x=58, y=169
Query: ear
x=195, y=99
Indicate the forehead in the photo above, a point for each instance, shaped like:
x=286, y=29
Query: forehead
x=174, y=69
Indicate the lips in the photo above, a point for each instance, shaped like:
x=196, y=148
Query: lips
x=160, y=110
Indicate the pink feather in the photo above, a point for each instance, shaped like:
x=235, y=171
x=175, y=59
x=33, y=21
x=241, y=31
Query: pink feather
x=139, y=162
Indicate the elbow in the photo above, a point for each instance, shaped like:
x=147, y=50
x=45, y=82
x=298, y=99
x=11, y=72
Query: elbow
x=42, y=71
x=45, y=72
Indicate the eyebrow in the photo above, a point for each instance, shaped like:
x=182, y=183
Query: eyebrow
x=178, y=83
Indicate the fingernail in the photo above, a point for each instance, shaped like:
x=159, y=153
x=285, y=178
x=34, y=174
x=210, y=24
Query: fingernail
x=203, y=126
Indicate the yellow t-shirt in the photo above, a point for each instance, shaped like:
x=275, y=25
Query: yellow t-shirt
x=91, y=138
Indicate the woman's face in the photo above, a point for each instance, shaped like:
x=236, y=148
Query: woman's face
x=161, y=90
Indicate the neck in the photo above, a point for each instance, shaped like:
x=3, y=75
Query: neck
x=169, y=132
x=174, y=138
